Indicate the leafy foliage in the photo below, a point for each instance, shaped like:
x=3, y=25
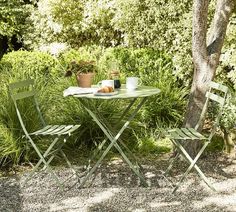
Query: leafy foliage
x=13, y=14
x=228, y=119
x=227, y=70
x=150, y=23
x=55, y=25
x=48, y=73
x=157, y=37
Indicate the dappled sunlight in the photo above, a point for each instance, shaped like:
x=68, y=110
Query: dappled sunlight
x=224, y=201
x=228, y=185
x=102, y=196
x=230, y=169
x=115, y=189
x=150, y=174
x=188, y=184
x=54, y=48
x=115, y=161
x=139, y=210
x=70, y=203
x=156, y=204
x=83, y=203
x=35, y=206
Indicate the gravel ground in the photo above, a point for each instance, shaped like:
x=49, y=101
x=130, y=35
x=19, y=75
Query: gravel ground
x=115, y=188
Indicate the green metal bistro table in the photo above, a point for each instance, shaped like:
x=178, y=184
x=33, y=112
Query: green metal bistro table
x=136, y=99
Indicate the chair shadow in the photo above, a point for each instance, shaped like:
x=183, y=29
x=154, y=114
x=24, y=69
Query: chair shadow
x=214, y=165
x=118, y=174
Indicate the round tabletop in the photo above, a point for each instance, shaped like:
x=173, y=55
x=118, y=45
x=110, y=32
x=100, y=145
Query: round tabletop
x=122, y=93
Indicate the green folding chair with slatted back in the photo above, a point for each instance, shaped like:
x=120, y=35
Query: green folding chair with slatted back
x=19, y=91
x=215, y=96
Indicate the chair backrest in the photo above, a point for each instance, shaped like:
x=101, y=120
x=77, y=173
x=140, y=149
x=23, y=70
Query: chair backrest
x=217, y=93
x=22, y=90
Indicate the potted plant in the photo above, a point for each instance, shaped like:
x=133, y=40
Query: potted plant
x=83, y=70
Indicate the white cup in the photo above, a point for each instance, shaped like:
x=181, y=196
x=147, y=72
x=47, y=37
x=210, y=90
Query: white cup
x=132, y=83
x=104, y=83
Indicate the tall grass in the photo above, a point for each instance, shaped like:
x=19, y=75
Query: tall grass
x=152, y=66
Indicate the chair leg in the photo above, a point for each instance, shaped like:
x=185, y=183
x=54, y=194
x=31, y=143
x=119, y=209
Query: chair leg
x=43, y=160
x=59, y=149
x=192, y=165
x=53, y=156
x=171, y=164
x=47, y=153
x=67, y=161
x=96, y=153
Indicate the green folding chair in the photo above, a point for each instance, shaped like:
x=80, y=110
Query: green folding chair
x=25, y=89
x=216, y=96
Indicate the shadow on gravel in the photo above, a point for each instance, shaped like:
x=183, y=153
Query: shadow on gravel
x=116, y=188
x=10, y=195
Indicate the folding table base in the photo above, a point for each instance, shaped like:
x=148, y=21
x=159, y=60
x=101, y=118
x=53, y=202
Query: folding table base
x=114, y=138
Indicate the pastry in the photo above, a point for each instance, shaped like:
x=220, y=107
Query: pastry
x=106, y=89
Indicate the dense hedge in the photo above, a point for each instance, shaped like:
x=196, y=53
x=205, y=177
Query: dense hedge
x=152, y=66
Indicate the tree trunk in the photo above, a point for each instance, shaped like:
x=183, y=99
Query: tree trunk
x=205, y=56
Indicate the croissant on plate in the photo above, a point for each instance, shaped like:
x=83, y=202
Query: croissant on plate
x=106, y=89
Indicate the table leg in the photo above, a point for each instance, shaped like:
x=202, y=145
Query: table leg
x=112, y=132
x=113, y=140
x=100, y=146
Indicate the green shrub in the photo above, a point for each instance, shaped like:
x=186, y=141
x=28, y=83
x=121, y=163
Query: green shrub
x=13, y=22
x=154, y=67
x=29, y=64
x=150, y=23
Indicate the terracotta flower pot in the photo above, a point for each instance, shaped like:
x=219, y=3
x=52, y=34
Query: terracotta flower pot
x=85, y=80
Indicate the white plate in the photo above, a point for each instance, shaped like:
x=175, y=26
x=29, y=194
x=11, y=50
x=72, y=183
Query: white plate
x=106, y=94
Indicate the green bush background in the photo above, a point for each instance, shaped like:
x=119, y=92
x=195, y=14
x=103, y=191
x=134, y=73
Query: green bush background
x=154, y=67
x=152, y=40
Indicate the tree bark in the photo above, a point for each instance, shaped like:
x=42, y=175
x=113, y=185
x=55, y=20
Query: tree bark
x=205, y=56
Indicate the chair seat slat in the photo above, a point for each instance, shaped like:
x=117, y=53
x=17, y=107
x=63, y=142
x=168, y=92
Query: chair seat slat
x=47, y=132
x=75, y=127
x=173, y=135
x=188, y=133
x=196, y=133
x=56, y=130
x=61, y=127
x=63, y=131
x=41, y=130
x=183, y=135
